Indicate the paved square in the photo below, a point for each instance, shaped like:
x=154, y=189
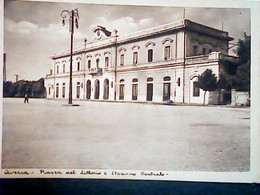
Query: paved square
x=47, y=134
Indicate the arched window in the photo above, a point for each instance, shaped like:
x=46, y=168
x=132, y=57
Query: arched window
x=150, y=79
x=78, y=90
x=149, y=90
x=57, y=69
x=63, y=68
x=166, y=88
x=57, y=90
x=167, y=78
x=196, y=89
x=135, y=89
x=121, y=89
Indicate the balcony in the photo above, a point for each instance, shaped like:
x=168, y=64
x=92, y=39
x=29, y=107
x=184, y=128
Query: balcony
x=95, y=71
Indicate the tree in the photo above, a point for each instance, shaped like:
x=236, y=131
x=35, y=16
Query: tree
x=19, y=88
x=207, y=81
x=38, y=88
x=241, y=80
x=222, y=84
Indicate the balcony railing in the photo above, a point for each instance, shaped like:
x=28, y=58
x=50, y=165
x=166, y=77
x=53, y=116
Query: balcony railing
x=229, y=58
x=94, y=71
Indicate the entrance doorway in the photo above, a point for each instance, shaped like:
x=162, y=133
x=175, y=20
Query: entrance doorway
x=106, y=89
x=88, y=95
x=149, y=92
x=166, y=91
x=97, y=83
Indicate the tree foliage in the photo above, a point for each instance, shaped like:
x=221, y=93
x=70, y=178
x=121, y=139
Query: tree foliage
x=241, y=80
x=207, y=81
x=19, y=88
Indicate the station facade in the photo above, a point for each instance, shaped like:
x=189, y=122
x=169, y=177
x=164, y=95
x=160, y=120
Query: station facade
x=160, y=64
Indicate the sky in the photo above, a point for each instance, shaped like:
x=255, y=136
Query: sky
x=33, y=31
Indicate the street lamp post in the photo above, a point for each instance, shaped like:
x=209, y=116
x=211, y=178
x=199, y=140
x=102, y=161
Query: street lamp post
x=74, y=17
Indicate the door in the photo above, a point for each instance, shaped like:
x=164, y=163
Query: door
x=106, y=89
x=97, y=89
x=134, y=91
x=88, y=89
x=149, y=92
x=166, y=91
x=78, y=91
x=121, y=91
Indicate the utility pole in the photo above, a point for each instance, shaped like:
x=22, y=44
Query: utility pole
x=17, y=77
x=74, y=17
x=4, y=68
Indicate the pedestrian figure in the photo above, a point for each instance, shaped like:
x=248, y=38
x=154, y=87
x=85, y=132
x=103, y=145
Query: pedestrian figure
x=26, y=98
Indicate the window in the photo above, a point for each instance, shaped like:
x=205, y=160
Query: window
x=150, y=55
x=204, y=51
x=166, y=88
x=210, y=50
x=179, y=82
x=135, y=58
x=122, y=59
x=106, y=61
x=149, y=90
x=134, y=89
x=150, y=79
x=135, y=80
x=57, y=69
x=49, y=90
x=78, y=66
x=63, y=90
x=167, y=78
x=89, y=64
x=97, y=63
x=121, y=89
x=78, y=90
x=195, y=50
x=50, y=71
x=57, y=90
x=167, y=53
x=196, y=89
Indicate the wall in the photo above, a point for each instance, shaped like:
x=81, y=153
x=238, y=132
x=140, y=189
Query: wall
x=204, y=41
x=239, y=98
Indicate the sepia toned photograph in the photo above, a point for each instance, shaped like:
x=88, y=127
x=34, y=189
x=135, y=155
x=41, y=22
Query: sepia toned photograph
x=126, y=87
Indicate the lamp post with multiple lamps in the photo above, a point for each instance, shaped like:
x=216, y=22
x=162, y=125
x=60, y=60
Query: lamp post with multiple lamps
x=73, y=20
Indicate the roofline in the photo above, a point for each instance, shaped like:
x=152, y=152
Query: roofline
x=184, y=24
